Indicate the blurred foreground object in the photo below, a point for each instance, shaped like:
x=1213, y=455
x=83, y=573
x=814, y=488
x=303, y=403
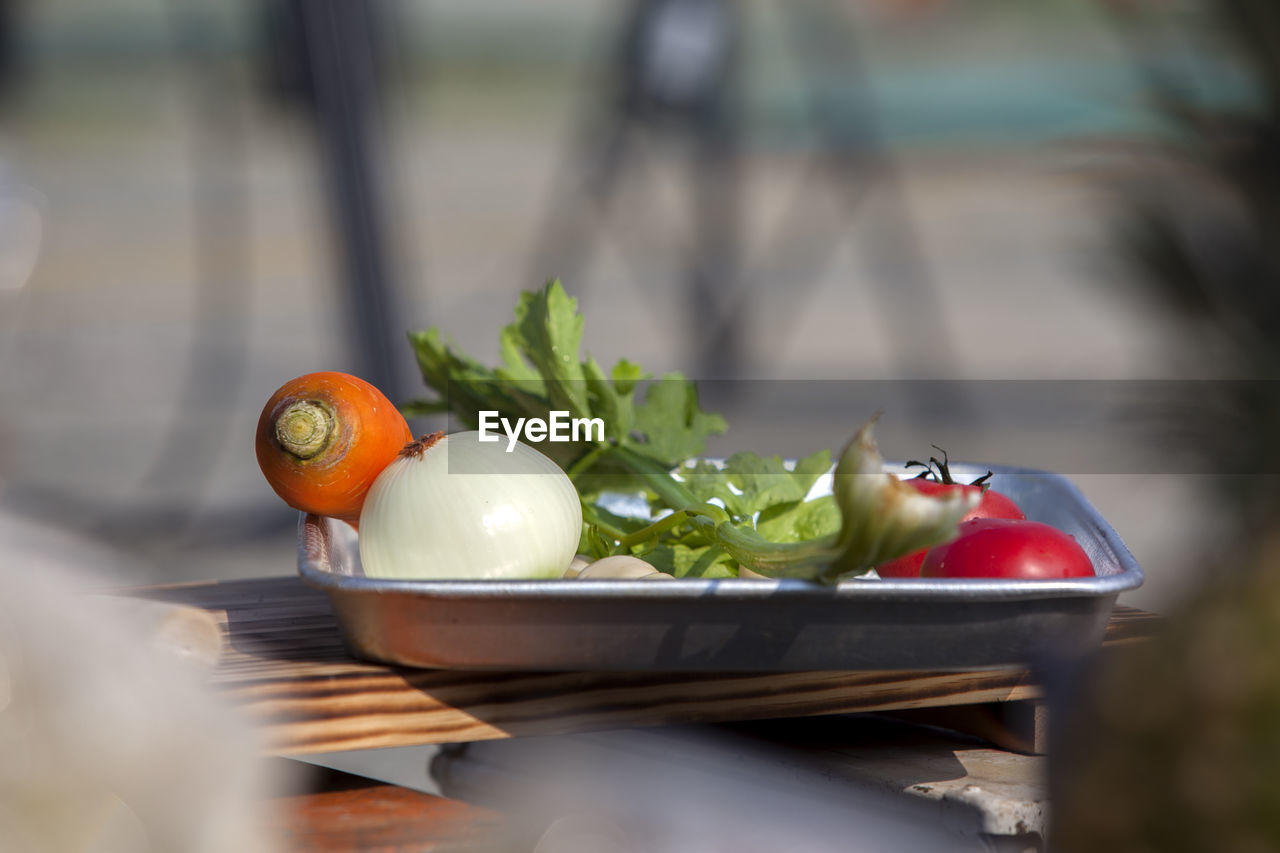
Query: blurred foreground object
x=696, y=789
x=110, y=739
x=21, y=230
x=1176, y=745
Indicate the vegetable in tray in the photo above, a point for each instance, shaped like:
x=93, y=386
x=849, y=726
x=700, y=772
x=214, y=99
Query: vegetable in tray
x=643, y=436
x=322, y=440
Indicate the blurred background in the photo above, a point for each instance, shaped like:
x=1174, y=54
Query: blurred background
x=199, y=201
x=1067, y=211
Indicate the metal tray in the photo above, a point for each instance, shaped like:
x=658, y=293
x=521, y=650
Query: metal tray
x=733, y=625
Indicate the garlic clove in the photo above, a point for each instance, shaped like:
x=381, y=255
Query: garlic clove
x=576, y=565
x=620, y=567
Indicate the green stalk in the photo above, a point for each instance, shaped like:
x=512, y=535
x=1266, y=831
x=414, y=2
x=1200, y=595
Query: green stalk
x=808, y=560
x=592, y=517
x=588, y=459
x=659, y=527
x=656, y=477
x=668, y=522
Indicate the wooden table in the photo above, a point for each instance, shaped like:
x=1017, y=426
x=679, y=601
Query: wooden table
x=283, y=662
x=275, y=650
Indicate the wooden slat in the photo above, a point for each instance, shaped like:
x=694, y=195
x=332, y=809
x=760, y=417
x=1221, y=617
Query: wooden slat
x=1130, y=623
x=284, y=664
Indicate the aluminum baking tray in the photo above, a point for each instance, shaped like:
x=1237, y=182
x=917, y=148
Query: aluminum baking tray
x=733, y=625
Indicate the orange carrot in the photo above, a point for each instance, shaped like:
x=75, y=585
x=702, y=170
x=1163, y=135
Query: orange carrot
x=322, y=440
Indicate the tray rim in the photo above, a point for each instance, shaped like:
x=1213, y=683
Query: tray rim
x=1130, y=575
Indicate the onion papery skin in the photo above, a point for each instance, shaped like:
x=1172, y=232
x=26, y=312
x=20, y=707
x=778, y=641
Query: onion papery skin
x=462, y=509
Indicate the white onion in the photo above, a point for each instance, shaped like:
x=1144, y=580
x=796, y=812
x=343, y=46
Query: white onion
x=467, y=509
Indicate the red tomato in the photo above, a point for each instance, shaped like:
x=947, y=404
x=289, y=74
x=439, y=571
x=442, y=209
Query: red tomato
x=993, y=505
x=1006, y=548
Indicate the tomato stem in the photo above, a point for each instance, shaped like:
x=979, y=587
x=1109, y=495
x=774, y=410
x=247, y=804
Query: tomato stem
x=940, y=471
x=305, y=428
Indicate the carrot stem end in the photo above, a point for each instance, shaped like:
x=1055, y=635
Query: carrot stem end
x=305, y=428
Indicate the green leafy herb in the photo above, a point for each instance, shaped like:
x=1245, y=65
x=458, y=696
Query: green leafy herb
x=798, y=521
x=748, y=484
x=750, y=511
x=670, y=426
